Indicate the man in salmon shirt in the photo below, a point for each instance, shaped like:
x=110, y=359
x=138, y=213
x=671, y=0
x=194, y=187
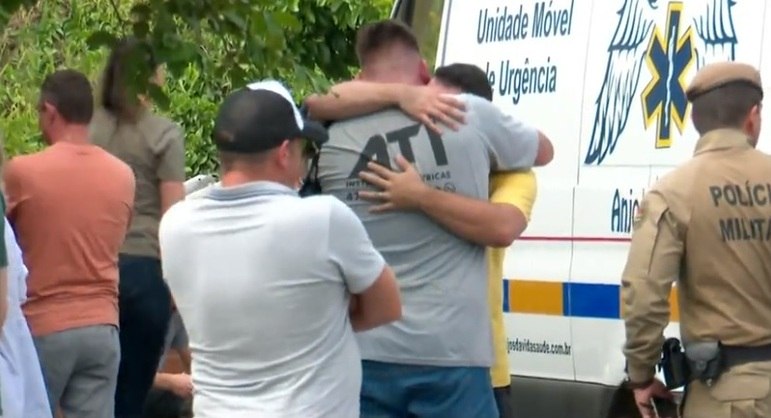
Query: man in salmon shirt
x=70, y=206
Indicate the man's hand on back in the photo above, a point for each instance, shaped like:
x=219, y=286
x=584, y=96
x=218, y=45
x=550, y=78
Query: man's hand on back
x=399, y=190
x=430, y=106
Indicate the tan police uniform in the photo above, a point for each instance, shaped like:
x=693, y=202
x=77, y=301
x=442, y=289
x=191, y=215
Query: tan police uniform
x=706, y=224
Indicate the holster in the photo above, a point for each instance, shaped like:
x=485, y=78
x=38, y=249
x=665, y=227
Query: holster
x=674, y=364
x=706, y=360
x=702, y=360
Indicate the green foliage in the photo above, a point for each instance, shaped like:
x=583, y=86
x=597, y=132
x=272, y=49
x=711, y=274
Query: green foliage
x=428, y=14
x=209, y=47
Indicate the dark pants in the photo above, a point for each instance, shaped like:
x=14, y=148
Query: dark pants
x=145, y=310
x=622, y=404
x=504, y=402
x=165, y=404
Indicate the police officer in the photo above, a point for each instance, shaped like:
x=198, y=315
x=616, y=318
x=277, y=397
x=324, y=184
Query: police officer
x=707, y=224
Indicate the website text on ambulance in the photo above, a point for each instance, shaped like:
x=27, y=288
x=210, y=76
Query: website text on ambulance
x=542, y=347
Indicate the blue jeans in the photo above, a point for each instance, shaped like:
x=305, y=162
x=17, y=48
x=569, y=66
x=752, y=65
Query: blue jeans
x=145, y=309
x=391, y=390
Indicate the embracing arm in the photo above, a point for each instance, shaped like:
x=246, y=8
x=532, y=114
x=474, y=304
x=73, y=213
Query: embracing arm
x=353, y=98
x=356, y=98
x=478, y=221
x=496, y=223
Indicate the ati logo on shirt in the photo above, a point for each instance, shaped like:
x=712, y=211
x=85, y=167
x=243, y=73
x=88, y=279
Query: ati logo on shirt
x=377, y=148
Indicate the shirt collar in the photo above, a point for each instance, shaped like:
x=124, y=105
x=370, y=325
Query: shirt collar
x=721, y=139
x=251, y=189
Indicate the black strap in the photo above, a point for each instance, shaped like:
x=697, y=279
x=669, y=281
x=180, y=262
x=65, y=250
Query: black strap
x=736, y=355
x=311, y=185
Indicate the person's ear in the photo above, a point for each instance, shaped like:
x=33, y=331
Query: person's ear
x=47, y=107
x=425, y=73
x=752, y=123
x=48, y=112
x=284, y=153
x=159, y=77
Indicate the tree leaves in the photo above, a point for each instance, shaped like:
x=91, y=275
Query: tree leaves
x=141, y=11
x=236, y=20
x=140, y=29
x=258, y=38
x=100, y=38
x=211, y=47
x=159, y=97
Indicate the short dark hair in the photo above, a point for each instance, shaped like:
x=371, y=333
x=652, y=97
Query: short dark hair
x=375, y=36
x=467, y=77
x=128, y=57
x=229, y=160
x=724, y=107
x=70, y=92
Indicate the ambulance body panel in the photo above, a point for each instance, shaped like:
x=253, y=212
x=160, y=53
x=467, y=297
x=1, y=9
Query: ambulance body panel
x=605, y=80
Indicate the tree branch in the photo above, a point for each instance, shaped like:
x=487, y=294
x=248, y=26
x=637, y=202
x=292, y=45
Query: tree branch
x=117, y=14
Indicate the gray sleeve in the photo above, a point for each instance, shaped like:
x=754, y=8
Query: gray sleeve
x=351, y=250
x=171, y=155
x=179, y=337
x=511, y=143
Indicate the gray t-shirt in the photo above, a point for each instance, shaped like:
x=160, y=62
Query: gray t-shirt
x=176, y=338
x=443, y=278
x=154, y=148
x=261, y=279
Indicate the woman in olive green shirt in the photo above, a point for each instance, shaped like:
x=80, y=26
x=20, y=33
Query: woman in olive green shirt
x=153, y=146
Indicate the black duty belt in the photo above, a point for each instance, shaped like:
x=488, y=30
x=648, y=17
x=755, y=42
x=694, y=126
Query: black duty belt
x=737, y=355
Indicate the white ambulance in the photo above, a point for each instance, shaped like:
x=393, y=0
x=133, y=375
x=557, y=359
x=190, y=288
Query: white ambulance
x=605, y=80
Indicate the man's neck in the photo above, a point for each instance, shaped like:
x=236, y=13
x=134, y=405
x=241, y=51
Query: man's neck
x=395, y=78
x=71, y=134
x=387, y=74
x=233, y=178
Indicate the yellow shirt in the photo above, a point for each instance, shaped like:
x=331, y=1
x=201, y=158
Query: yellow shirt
x=518, y=189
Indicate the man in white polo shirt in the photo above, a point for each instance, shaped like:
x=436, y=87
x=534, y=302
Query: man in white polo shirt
x=263, y=278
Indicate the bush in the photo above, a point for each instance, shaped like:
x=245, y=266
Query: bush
x=55, y=34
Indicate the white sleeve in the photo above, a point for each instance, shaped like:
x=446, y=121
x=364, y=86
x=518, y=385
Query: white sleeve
x=351, y=250
x=512, y=144
x=170, y=241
